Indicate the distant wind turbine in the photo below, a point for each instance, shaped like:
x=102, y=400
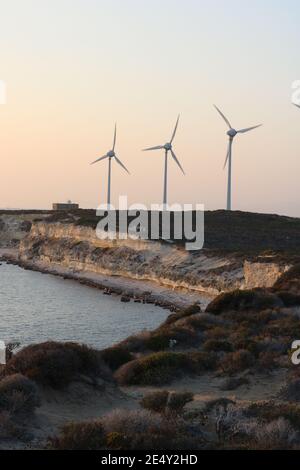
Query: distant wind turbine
x=168, y=148
x=111, y=154
x=231, y=134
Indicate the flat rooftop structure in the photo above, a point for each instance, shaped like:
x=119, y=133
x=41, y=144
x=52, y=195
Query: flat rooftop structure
x=64, y=206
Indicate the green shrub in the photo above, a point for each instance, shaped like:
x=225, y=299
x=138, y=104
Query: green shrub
x=80, y=436
x=177, y=401
x=155, y=401
x=217, y=345
x=18, y=394
x=117, y=441
x=291, y=391
x=239, y=300
x=116, y=356
x=158, y=342
x=237, y=361
x=166, y=402
x=217, y=333
x=232, y=383
x=188, y=311
x=202, y=361
x=155, y=369
x=267, y=360
x=56, y=364
x=145, y=430
x=270, y=410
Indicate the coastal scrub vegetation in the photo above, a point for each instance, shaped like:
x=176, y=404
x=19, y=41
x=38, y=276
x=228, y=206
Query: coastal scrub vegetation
x=56, y=364
x=240, y=331
x=19, y=398
x=165, y=402
x=128, y=430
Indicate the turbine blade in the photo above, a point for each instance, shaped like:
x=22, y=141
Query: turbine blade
x=158, y=147
x=120, y=163
x=242, y=131
x=98, y=159
x=298, y=105
x=177, y=161
x=227, y=156
x=223, y=116
x=175, y=130
x=115, y=137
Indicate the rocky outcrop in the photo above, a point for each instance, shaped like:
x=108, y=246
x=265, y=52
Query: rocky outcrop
x=14, y=227
x=263, y=274
x=79, y=249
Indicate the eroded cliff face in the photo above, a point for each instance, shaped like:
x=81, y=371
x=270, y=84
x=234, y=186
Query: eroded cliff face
x=77, y=248
x=14, y=227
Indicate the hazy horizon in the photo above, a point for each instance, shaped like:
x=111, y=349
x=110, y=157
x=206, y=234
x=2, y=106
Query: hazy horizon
x=74, y=68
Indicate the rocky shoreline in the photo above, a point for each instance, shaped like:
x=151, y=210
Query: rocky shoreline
x=144, y=292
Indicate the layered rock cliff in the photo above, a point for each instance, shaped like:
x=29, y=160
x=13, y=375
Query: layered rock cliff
x=78, y=249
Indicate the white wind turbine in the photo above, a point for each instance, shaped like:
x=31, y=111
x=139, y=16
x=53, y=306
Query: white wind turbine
x=168, y=148
x=111, y=154
x=231, y=134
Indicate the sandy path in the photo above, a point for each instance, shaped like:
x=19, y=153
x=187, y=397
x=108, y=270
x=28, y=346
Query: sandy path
x=207, y=387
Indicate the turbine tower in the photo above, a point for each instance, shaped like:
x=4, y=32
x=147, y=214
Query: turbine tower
x=110, y=155
x=231, y=134
x=168, y=148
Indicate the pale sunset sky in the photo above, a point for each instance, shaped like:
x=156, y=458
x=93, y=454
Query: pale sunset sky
x=74, y=67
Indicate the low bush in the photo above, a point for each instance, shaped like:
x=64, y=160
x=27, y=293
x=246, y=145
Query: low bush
x=217, y=345
x=56, y=364
x=155, y=369
x=158, y=341
x=166, y=402
x=155, y=401
x=239, y=300
x=232, y=383
x=18, y=394
x=162, y=367
x=270, y=410
x=267, y=360
x=202, y=361
x=245, y=343
x=237, y=361
x=145, y=430
x=177, y=401
x=80, y=436
x=191, y=310
x=116, y=356
x=291, y=391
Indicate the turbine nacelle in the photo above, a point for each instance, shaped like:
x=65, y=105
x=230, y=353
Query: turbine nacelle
x=232, y=133
x=168, y=146
x=111, y=154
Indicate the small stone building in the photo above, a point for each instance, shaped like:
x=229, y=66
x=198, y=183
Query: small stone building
x=64, y=206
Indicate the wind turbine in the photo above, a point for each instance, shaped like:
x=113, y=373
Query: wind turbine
x=111, y=154
x=168, y=148
x=231, y=134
